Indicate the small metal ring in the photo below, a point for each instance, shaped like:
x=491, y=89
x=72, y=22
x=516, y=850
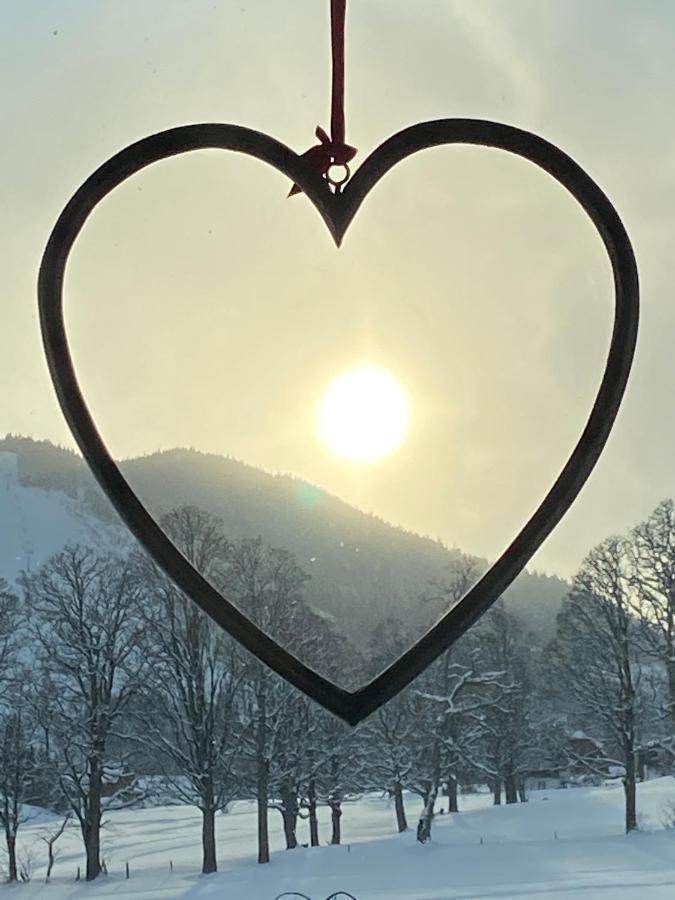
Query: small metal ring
x=338, y=183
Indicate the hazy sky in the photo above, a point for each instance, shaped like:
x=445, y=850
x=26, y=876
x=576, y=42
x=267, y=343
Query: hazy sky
x=207, y=310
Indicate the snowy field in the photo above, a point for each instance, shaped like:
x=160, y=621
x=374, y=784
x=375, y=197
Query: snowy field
x=562, y=844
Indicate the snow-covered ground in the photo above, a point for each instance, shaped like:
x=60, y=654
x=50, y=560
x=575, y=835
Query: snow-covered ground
x=562, y=844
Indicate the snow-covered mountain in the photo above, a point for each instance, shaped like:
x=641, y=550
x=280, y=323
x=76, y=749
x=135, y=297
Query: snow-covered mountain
x=362, y=569
x=36, y=522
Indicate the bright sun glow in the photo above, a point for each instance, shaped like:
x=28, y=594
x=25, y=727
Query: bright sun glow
x=364, y=414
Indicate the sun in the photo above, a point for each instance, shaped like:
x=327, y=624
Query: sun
x=364, y=414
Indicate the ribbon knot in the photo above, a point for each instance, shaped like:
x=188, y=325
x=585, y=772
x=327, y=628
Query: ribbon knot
x=322, y=156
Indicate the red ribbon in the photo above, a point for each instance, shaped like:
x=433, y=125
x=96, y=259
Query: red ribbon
x=332, y=151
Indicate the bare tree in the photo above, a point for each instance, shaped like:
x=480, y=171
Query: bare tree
x=511, y=743
x=195, y=677
x=266, y=583
x=598, y=661
x=341, y=770
x=453, y=696
x=291, y=766
x=50, y=837
x=10, y=627
x=15, y=726
x=85, y=620
x=17, y=769
x=390, y=733
x=652, y=552
x=389, y=762
x=330, y=759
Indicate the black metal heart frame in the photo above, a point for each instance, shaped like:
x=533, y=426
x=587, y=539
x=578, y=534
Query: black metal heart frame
x=338, y=210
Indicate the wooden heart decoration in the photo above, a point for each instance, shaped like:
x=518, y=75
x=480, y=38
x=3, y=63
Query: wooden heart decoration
x=337, y=210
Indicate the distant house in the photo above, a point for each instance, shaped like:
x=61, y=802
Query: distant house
x=544, y=780
x=583, y=746
x=569, y=769
x=653, y=761
x=587, y=762
x=587, y=759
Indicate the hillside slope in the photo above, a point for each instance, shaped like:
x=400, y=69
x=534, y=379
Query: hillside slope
x=37, y=521
x=362, y=569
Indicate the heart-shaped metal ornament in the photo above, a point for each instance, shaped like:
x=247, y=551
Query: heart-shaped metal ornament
x=338, y=210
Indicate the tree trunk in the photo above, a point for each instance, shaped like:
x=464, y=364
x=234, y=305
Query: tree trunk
x=91, y=827
x=263, y=777
x=497, y=791
x=51, y=840
x=629, y=757
x=289, y=814
x=335, y=801
x=629, y=790
x=427, y=817
x=290, y=821
x=452, y=794
x=424, y=824
x=313, y=821
x=522, y=792
x=510, y=789
x=11, y=856
x=92, y=846
x=50, y=861
x=671, y=686
x=262, y=798
x=670, y=656
x=209, y=863
x=335, y=816
x=401, y=821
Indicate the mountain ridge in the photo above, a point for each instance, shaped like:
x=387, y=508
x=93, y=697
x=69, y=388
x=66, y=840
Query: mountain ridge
x=362, y=569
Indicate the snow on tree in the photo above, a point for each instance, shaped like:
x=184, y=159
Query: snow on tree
x=266, y=583
x=453, y=696
x=389, y=737
x=598, y=662
x=651, y=550
x=511, y=744
x=290, y=767
x=194, y=679
x=389, y=734
x=20, y=759
x=17, y=767
x=10, y=624
x=441, y=720
x=87, y=630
